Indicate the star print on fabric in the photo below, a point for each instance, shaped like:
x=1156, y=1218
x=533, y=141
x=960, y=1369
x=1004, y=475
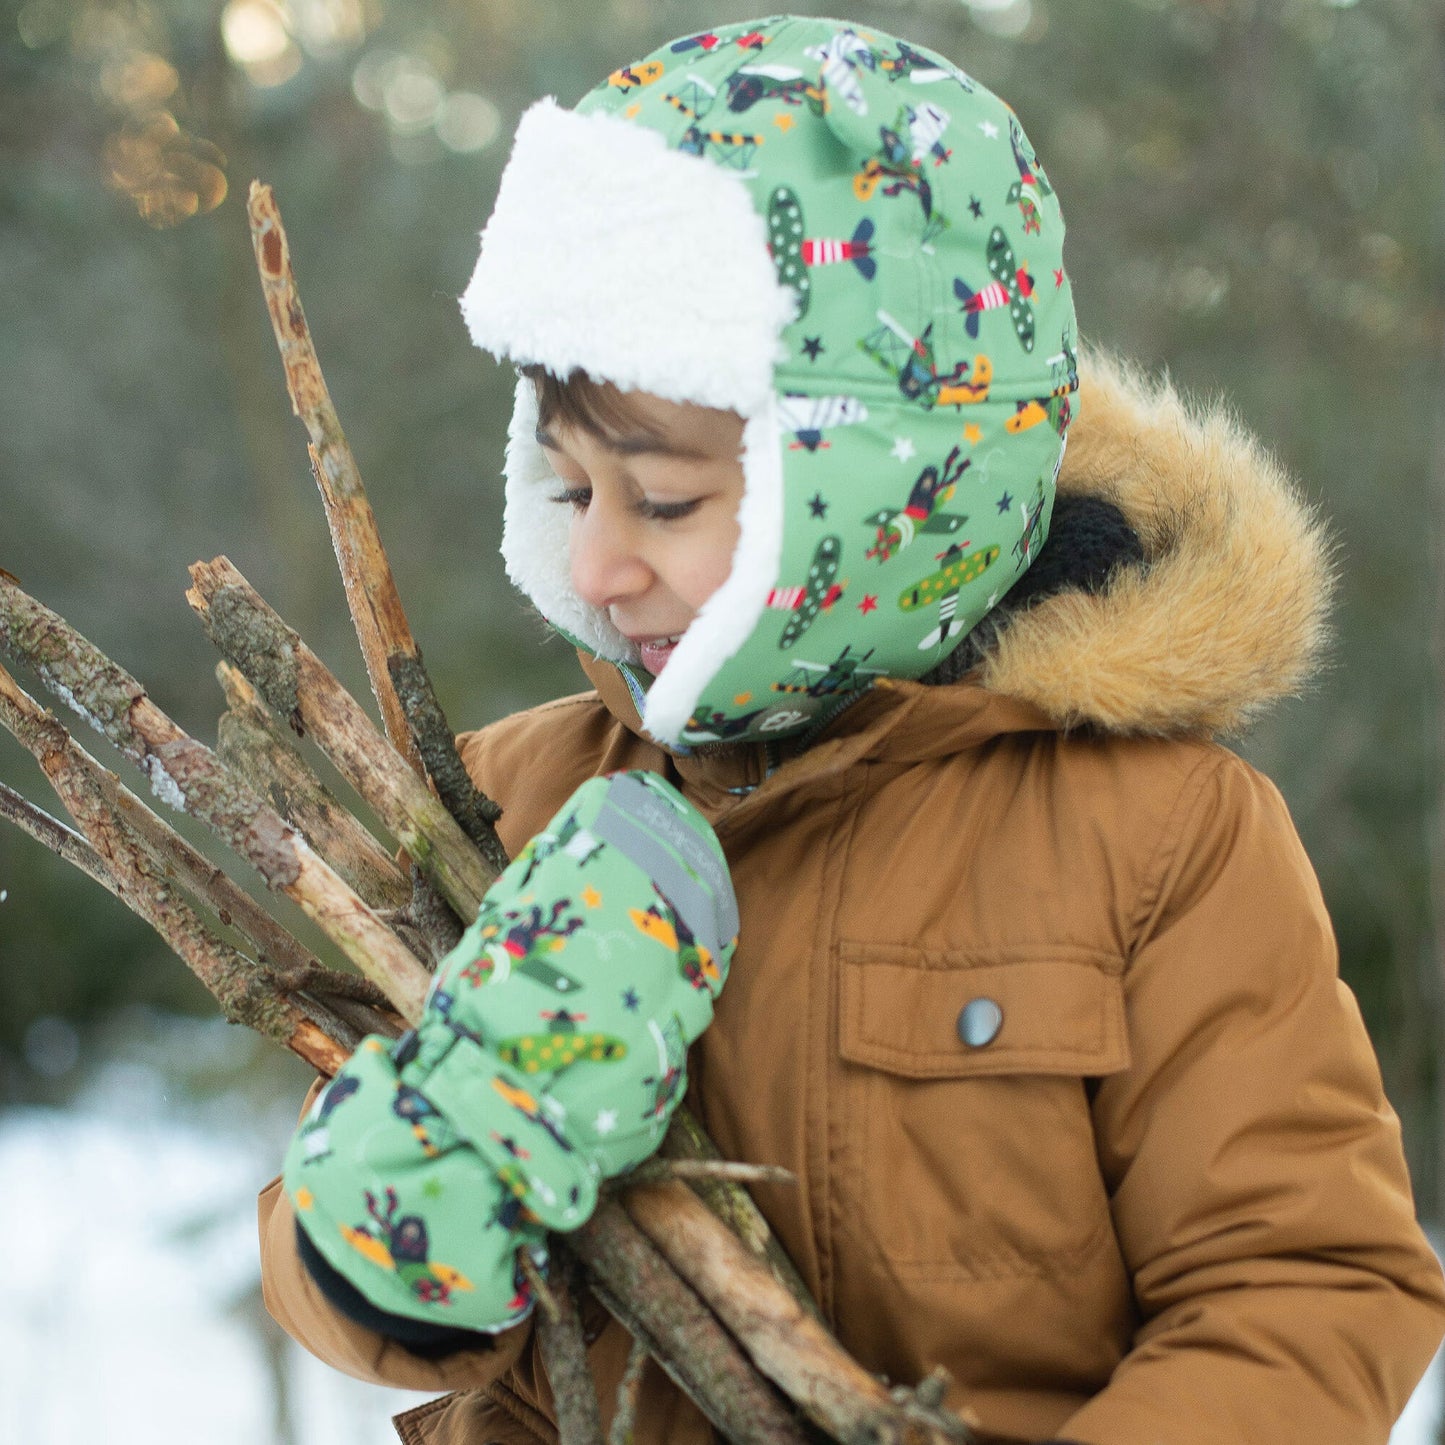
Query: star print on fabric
x=973, y=433
x=817, y=506
x=606, y=1121
x=976, y=206
x=633, y=111
x=989, y=129
x=1004, y=503
x=432, y=1188
x=591, y=897
x=784, y=122
x=868, y=604
x=1058, y=277
x=812, y=347
x=992, y=601
x=903, y=448
x=630, y=1000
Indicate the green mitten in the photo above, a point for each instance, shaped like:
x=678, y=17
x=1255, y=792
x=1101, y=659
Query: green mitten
x=550, y=1054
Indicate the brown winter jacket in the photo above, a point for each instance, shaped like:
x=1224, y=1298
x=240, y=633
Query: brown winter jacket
x=1166, y=1201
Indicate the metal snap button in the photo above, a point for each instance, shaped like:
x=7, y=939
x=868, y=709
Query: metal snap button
x=979, y=1022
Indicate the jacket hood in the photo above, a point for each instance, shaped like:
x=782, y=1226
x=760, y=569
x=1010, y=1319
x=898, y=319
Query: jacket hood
x=848, y=241
x=1228, y=610
x=1217, y=608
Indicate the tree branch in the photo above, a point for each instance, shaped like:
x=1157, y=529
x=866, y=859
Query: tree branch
x=564, y=1357
x=687, y=1140
x=379, y=613
x=60, y=839
x=249, y=739
x=645, y=1294
x=247, y=992
x=624, y=1420
x=784, y=1341
x=297, y=685
x=191, y=778
x=412, y=715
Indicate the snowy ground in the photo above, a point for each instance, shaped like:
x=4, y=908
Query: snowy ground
x=130, y=1305
x=129, y=1302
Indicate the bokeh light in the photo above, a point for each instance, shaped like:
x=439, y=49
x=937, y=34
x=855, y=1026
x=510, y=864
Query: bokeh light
x=411, y=95
x=1009, y=19
x=40, y=23
x=139, y=80
x=408, y=90
x=169, y=174
x=328, y=27
x=258, y=41
x=468, y=122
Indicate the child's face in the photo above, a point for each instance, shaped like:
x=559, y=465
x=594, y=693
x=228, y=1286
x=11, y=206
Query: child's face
x=654, y=513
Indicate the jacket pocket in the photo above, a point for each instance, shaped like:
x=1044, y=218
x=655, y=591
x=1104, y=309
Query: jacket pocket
x=965, y=1130
x=490, y=1416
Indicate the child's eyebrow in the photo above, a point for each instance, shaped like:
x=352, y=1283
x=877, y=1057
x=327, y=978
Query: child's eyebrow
x=635, y=445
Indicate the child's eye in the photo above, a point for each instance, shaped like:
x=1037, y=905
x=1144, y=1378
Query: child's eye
x=666, y=511
x=579, y=498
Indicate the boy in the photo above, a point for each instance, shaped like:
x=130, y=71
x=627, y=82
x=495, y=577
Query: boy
x=1035, y=992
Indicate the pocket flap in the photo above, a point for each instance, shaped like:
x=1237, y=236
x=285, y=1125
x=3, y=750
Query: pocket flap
x=1056, y=1013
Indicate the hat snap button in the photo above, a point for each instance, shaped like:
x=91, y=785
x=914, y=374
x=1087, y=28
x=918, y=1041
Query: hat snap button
x=979, y=1022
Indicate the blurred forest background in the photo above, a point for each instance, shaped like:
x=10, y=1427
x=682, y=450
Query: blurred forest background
x=1255, y=200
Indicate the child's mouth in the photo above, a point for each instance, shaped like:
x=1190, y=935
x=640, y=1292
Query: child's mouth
x=655, y=652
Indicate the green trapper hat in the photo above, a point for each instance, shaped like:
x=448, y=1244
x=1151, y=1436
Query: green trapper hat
x=848, y=241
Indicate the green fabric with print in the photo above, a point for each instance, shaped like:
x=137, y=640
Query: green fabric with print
x=551, y=1052
x=926, y=382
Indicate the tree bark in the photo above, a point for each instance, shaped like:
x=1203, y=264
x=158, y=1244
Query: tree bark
x=298, y=686
x=376, y=611
x=247, y=992
x=192, y=779
x=564, y=1357
x=413, y=717
x=685, y=1140
x=249, y=739
x=786, y=1343
x=645, y=1294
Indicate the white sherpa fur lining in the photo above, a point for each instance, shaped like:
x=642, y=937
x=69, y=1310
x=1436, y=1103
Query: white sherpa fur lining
x=674, y=252
x=610, y=252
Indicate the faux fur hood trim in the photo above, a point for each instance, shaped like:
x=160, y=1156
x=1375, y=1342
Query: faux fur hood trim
x=1228, y=612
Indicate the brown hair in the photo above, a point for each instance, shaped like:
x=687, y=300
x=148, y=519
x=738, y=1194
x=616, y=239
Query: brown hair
x=578, y=400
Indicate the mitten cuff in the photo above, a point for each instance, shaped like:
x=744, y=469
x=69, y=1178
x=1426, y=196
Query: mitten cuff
x=393, y=1202
x=431, y=1342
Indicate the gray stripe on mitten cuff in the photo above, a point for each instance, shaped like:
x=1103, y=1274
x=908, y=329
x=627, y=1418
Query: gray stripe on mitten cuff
x=648, y=832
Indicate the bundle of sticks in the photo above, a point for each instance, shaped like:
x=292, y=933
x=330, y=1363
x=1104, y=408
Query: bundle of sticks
x=677, y=1251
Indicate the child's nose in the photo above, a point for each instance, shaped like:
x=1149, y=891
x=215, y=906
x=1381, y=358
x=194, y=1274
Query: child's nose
x=606, y=566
